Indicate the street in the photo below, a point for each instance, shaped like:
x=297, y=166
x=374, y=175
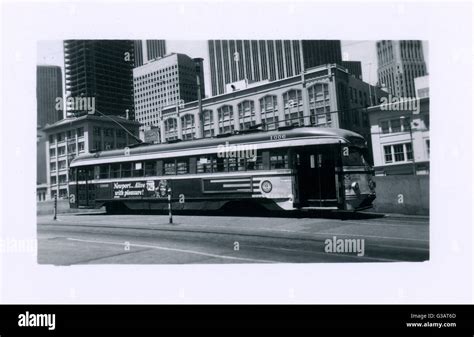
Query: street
x=149, y=239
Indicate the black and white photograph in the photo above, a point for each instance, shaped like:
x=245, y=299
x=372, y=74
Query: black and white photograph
x=232, y=151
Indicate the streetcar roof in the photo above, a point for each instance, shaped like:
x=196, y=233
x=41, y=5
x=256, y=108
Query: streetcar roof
x=263, y=139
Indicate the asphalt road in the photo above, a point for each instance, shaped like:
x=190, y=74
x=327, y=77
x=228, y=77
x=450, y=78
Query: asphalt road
x=210, y=238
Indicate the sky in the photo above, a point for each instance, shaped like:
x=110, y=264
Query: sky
x=51, y=53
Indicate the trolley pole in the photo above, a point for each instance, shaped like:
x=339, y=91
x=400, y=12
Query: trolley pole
x=170, y=213
x=55, y=206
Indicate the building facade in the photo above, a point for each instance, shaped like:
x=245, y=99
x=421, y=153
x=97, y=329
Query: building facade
x=401, y=137
x=328, y=97
x=168, y=81
x=399, y=63
x=257, y=60
x=148, y=50
x=100, y=69
x=49, y=86
x=73, y=136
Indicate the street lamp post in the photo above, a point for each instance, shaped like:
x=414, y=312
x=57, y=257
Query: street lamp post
x=411, y=142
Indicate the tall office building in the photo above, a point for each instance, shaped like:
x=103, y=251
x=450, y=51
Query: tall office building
x=399, y=63
x=49, y=86
x=254, y=61
x=148, y=50
x=100, y=69
x=164, y=82
x=354, y=68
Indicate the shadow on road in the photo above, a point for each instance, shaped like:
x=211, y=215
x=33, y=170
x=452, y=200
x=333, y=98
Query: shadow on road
x=250, y=212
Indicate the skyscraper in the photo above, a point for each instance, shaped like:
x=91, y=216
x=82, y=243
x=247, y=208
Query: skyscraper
x=252, y=60
x=399, y=63
x=166, y=81
x=49, y=86
x=148, y=50
x=100, y=69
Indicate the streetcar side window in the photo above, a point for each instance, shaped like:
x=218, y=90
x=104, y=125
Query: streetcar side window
x=182, y=166
x=126, y=170
x=137, y=169
x=104, y=171
x=278, y=160
x=169, y=167
x=150, y=168
x=115, y=170
x=204, y=164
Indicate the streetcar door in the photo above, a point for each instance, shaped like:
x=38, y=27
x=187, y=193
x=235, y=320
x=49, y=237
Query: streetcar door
x=317, y=177
x=85, y=192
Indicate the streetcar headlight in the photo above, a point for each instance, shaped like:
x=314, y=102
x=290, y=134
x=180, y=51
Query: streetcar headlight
x=267, y=186
x=355, y=185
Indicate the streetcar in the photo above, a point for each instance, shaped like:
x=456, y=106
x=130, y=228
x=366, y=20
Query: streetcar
x=284, y=169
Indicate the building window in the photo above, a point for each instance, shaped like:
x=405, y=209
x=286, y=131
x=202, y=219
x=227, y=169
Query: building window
x=62, y=165
x=395, y=125
x=53, y=180
x=208, y=123
x=246, y=114
x=428, y=147
x=51, y=138
x=81, y=146
x=188, y=127
x=52, y=152
x=71, y=148
x=269, y=111
x=319, y=104
x=401, y=124
x=52, y=167
x=80, y=132
x=60, y=136
x=96, y=131
x=61, y=151
x=62, y=179
x=398, y=153
x=226, y=119
x=385, y=127
x=293, y=107
x=171, y=129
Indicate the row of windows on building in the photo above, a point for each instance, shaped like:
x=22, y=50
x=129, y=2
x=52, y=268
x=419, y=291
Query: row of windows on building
x=277, y=159
x=319, y=104
x=154, y=74
x=61, y=136
x=404, y=124
x=108, y=132
x=61, y=150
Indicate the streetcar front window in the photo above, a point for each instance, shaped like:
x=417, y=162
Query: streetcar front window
x=355, y=157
